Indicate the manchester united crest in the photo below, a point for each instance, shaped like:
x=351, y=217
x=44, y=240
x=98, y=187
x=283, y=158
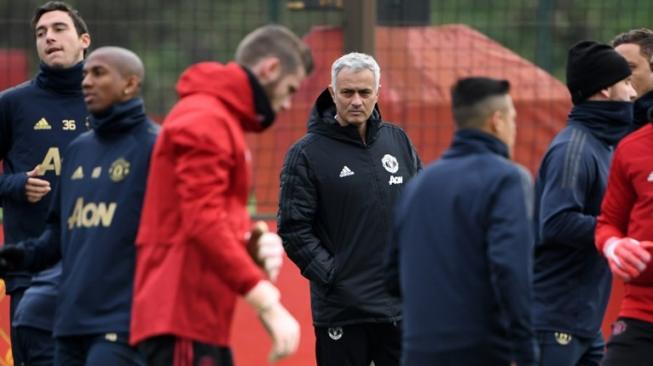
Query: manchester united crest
x=390, y=163
x=119, y=170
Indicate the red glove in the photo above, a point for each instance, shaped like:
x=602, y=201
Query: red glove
x=627, y=257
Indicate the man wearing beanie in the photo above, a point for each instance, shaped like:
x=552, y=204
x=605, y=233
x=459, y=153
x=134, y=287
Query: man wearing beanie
x=571, y=279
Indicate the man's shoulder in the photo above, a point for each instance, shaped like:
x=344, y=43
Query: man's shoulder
x=309, y=140
x=392, y=128
x=17, y=91
x=642, y=135
x=571, y=139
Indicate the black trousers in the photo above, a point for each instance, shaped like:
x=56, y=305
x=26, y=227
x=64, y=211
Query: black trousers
x=174, y=351
x=631, y=344
x=108, y=349
x=358, y=345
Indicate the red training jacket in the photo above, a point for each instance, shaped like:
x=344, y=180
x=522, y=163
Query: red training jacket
x=627, y=210
x=191, y=257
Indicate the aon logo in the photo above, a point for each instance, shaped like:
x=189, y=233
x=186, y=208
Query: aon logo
x=91, y=214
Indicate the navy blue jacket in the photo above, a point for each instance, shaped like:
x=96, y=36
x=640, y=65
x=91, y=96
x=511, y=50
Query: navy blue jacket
x=38, y=119
x=94, y=219
x=572, y=279
x=465, y=244
x=335, y=211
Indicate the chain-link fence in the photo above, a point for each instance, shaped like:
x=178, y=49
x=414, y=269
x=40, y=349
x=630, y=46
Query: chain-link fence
x=422, y=47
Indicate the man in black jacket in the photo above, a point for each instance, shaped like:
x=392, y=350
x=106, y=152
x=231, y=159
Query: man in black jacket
x=465, y=242
x=338, y=186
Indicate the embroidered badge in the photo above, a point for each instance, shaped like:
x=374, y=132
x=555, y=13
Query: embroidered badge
x=563, y=339
x=335, y=333
x=619, y=327
x=390, y=163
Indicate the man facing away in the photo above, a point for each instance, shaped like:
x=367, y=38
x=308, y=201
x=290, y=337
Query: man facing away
x=464, y=242
x=571, y=279
x=37, y=121
x=338, y=187
x=192, y=260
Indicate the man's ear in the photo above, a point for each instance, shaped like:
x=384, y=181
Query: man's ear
x=605, y=92
x=494, y=122
x=133, y=85
x=332, y=92
x=268, y=69
x=86, y=40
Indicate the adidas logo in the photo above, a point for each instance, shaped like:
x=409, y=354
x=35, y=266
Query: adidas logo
x=42, y=124
x=345, y=172
x=78, y=173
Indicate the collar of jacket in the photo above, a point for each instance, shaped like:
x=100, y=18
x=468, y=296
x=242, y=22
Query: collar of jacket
x=322, y=121
x=474, y=141
x=608, y=121
x=264, y=113
x=643, y=106
x=63, y=81
x=118, y=118
x=227, y=83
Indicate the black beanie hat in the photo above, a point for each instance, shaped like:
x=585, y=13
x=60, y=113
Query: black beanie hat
x=591, y=67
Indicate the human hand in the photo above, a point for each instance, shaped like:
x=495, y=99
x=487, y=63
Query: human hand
x=277, y=321
x=626, y=257
x=266, y=249
x=36, y=188
x=284, y=330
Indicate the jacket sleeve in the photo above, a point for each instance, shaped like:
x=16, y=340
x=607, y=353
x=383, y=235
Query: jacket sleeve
x=510, y=255
x=203, y=165
x=566, y=179
x=11, y=185
x=45, y=251
x=298, y=204
x=414, y=157
x=617, y=203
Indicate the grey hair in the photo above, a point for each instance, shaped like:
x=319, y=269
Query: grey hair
x=356, y=62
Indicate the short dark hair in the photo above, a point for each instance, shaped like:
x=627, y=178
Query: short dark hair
x=277, y=41
x=80, y=24
x=643, y=37
x=469, y=97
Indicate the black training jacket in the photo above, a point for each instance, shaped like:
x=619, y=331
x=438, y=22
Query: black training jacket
x=335, y=213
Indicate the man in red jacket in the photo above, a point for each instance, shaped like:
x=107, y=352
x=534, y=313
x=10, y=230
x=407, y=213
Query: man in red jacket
x=192, y=259
x=624, y=234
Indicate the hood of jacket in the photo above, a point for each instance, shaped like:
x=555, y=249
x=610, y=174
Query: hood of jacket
x=234, y=86
x=322, y=121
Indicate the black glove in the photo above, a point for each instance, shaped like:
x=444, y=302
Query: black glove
x=11, y=258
